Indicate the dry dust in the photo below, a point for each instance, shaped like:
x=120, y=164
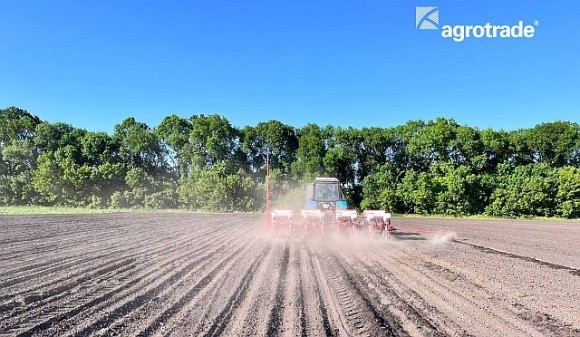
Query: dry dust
x=443, y=238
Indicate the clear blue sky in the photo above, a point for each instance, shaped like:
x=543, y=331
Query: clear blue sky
x=348, y=63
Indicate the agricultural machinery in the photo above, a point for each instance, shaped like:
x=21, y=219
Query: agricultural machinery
x=326, y=209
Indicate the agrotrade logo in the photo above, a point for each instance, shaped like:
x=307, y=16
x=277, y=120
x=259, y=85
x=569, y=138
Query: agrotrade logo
x=427, y=18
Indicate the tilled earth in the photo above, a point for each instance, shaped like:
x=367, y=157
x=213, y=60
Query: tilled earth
x=177, y=274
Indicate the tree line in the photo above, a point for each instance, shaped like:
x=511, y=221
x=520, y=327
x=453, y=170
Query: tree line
x=205, y=163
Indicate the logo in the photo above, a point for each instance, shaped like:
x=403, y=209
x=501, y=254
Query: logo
x=427, y=17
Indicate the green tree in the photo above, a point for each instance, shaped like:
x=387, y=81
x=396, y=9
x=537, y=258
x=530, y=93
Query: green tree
x=17, y=125
x=556, y=144
x=98, y=148
x=467, y=148
x=379, y=190
x=460, y=191
x=140, y=184
x=430, y=143
x=274, y=138
x=51, y=137
x=218, y=189
x=52, y=178
x=496, y=149
x=418, y=193
x=530, y=190
x=520, y=152
x=342, y=154
x=311, y=151
x=138, y=146
x=376, y=147
x=213, y=139
x=568, y=194
x=18, y=161
x=17, y=155
x=175, y=131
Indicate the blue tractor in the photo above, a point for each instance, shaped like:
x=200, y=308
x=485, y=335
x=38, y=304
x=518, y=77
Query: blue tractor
x=326, y=207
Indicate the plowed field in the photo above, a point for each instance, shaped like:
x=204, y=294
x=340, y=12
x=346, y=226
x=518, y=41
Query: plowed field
x=222, y=275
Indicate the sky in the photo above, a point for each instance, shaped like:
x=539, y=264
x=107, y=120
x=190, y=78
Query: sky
x=342, y=62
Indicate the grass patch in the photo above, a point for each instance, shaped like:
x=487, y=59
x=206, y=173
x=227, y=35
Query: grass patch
x=446, y=216
x=42, y=210
x=479, y=217
x=64, y=210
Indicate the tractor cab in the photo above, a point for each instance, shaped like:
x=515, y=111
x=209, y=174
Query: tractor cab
x=325, y=194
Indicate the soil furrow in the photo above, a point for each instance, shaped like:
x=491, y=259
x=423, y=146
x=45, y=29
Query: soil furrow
x=183, y=274
x=276, y=314
x=114, y=253
x=252, y=316
x=573, y=271
x=235, y=301
x=466, y=299
x=65, y=290
x=319, y=299
x=383, y=292
x=108, y=294
x=113, y=256
x=154, y=274
x=304, y=322
x=384, y=323
x=188, y=295
x=150, y=294
x=95, y=246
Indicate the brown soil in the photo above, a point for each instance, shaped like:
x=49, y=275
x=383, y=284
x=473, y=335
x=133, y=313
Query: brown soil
x=211, y=275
